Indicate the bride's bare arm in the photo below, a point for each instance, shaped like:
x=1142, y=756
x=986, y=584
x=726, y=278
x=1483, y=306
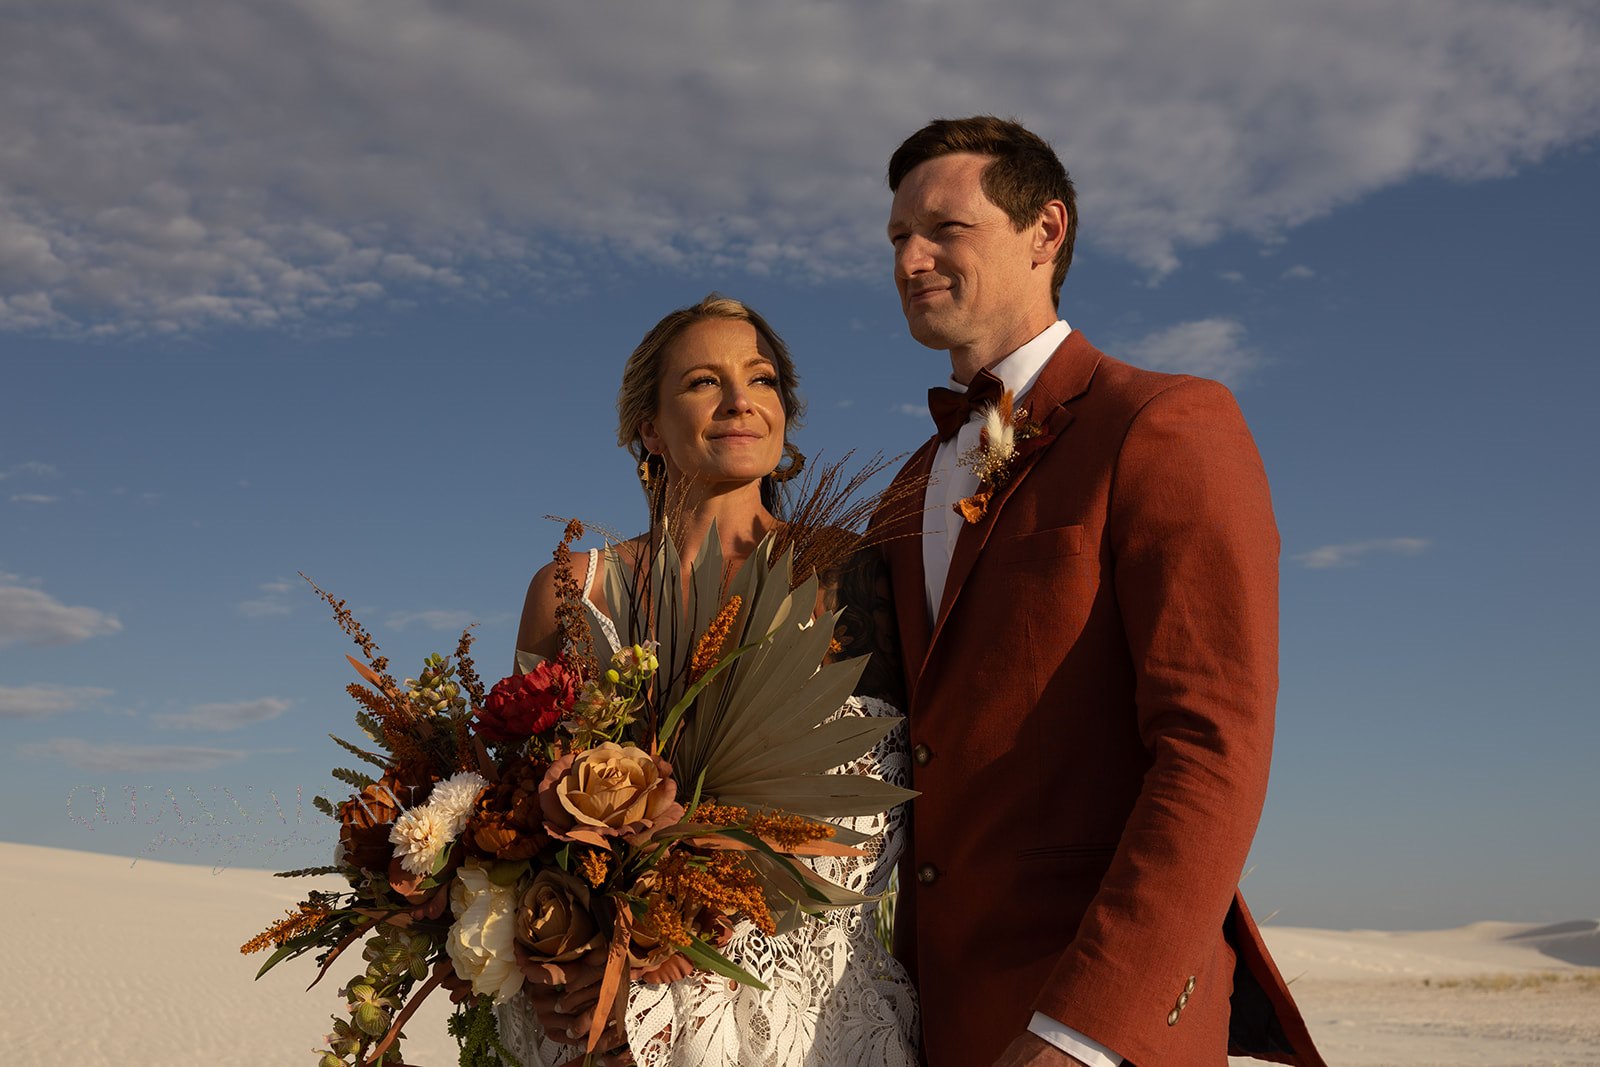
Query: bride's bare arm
x=537, y=632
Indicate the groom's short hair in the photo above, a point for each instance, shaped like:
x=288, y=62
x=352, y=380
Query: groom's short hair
x=1022, y=177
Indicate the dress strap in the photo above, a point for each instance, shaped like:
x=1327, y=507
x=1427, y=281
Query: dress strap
x=607, y=627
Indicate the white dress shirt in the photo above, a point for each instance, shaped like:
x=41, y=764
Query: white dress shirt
x=948, y=483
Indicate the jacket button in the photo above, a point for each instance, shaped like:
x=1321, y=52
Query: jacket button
x=927, y=874
x=922, y=754
x=1189, y=986
x=1172, y=1017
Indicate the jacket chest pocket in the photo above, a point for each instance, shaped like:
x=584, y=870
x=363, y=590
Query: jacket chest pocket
x=1040, y=545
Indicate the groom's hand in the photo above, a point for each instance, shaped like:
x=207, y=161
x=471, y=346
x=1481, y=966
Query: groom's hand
x=1031, y=1050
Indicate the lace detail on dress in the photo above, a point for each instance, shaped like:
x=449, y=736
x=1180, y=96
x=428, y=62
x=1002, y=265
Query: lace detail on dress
x=835, y=996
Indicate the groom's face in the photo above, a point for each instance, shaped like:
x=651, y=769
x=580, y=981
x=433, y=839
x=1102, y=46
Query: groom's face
x=964, y=273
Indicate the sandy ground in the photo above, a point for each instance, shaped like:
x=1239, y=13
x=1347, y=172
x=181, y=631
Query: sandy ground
x=115, y=962
x=1500, y=994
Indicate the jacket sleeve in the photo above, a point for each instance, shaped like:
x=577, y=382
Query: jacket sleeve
x=1194, y=561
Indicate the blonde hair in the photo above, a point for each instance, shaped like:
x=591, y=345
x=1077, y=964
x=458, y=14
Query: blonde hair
x=640, y=392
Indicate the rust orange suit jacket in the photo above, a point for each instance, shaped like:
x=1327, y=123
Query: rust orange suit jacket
x=1091, y=723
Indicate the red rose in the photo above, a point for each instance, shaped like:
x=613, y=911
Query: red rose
x=524, y=705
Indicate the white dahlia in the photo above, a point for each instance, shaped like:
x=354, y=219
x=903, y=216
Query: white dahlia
x=418, y=836
x=454, y=797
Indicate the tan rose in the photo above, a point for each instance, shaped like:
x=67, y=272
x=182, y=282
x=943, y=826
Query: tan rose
x=555, y=918
x=608, y=791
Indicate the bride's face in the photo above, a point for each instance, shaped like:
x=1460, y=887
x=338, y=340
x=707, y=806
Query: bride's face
x=719, y=414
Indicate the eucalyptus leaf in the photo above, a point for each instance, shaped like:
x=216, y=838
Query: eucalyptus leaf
x=709, y=959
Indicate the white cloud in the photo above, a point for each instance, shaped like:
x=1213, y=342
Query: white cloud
x=1299, y=272
x=273, y=601
x=277, y=159
x=33, y=498
x=115, y=757
x=30, y=469
x=43, y=701
x=433, y=620
x=30, y=614
x=223, y=715
x=1210, y=348
x=1351, y=552
x=919, y=411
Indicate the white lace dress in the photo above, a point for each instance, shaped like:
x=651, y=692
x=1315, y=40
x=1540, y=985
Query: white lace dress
x=835, y=997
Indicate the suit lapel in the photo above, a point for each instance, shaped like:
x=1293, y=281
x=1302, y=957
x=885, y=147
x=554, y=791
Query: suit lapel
x=1064, y=378
x=902, y=548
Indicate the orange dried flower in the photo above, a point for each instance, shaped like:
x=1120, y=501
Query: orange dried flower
x=663, y=924
x=594, y=865
x=789, y=831
x=709, y=648
x=721, y=814
x=723, y=883
x=307, y=915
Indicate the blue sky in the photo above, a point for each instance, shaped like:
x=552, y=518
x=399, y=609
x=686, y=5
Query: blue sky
x=345, y=288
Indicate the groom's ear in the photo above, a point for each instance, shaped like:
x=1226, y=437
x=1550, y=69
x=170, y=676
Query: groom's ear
x=1049, y=230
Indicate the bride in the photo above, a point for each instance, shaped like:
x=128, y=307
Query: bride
x=706, y=401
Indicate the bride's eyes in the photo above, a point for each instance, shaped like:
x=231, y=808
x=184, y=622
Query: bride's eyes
x=769, y=381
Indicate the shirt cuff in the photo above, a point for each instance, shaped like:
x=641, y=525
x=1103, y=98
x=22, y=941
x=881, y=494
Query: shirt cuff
x=1073, y=1043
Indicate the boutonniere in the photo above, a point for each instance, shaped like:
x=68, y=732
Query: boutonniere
x=1004, y=428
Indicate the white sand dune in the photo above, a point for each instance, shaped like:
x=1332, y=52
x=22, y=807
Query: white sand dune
x=1493, y=994
x=116, y=962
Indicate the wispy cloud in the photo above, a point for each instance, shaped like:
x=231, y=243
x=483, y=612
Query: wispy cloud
x=475, y=144
x=1298, y=272
x=114, y=757
x=274, y=600
x=913, y=410
x=31, y=615
x=223, y=716
x=1351, y=552
x=1210, y=348
x=432, y=620
x=43, y=701
x=32, y=468
x=33, y=498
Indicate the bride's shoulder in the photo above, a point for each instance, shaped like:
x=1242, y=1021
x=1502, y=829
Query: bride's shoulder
x=558, y=580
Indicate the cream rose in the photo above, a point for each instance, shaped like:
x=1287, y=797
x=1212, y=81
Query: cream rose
x=480, y=943
x=610, y=790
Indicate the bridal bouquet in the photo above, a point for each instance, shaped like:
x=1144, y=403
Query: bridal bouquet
x=641, y=802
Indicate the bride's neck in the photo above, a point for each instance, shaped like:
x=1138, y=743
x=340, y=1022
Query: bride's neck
x=741, y=523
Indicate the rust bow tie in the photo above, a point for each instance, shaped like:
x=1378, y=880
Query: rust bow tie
x=951, y=410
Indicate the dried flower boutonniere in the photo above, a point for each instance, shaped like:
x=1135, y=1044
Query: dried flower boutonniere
x=1004, y=428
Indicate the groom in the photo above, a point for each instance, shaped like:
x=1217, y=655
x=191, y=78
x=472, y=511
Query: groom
x=1090, y=641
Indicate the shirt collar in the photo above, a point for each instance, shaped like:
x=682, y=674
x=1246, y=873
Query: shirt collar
x=1022, y=368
